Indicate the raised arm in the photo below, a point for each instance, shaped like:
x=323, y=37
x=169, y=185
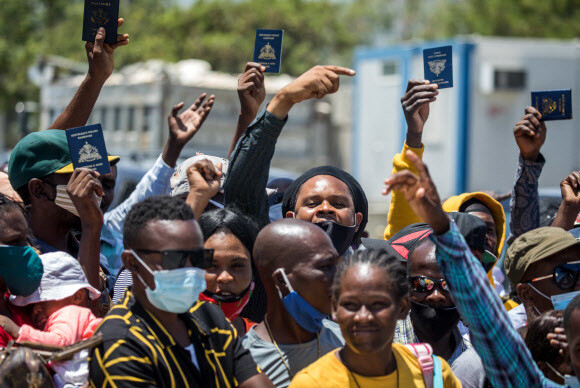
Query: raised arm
x=249, y=166
x=100, y=56
x=505, y=357
x=570, y=206
x=85, y=190
x=251, y=92
x=530, y=135
x=204, y=182
x=415, y=104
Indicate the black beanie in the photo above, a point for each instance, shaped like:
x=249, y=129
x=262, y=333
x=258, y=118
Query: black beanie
x=358, y=195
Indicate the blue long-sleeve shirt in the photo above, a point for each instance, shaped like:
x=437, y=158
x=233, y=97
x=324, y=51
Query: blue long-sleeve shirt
x=154, y=182
x=505, y=357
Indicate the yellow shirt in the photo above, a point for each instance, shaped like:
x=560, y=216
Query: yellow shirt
x=329, y=371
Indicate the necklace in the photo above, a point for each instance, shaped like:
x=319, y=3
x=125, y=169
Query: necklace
x=278, y=349
x=354, y=377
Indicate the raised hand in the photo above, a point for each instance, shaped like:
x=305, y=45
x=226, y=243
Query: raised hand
x=530, y=134
x=84, y=189
x=570, y=188
x=204, y=182
x=182, y=127
x=251, y=90
x=315, y=83
x=415, y=104
x=100, y=54
x=421, y=194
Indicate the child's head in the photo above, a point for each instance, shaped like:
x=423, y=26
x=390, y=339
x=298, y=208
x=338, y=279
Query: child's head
x=63, y=283
x=572, y=326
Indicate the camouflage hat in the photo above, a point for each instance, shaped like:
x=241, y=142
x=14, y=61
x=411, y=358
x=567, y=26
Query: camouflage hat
x=534, y=246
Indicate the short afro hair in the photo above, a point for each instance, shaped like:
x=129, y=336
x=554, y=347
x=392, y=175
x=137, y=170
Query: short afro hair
x=573, y=305
x=162, y=208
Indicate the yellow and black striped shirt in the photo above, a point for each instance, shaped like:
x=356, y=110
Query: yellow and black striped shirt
x=137, y=351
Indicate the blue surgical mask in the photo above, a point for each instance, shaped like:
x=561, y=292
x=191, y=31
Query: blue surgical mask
x=559, y=301
x=21, y=269
x=175, y=291
x=275, y=212
x=305, y=315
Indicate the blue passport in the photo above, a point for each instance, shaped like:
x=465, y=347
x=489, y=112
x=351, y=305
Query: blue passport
x=553, y=104
x=268, y=49
x=101, y=13
x=438, y=66
x=87, y=148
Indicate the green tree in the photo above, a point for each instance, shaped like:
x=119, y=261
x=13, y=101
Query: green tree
x=522, y=18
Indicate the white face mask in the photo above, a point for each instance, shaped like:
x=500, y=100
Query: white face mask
x=64, y=201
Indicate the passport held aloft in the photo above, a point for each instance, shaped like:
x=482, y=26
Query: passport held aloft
x=87, y=148
x=101, y=13
x=553, y=104
x=438, y=66
x=268, y=49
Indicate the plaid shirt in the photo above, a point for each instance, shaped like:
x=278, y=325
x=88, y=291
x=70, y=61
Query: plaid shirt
x=505, y=357
x=405, y=334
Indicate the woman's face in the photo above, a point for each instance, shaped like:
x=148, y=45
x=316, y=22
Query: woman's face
x=13, y=227
x=231, y=270
x=367, y=309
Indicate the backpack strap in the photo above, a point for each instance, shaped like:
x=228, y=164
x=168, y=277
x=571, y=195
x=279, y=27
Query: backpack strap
x=424, y=354
x=437, y=372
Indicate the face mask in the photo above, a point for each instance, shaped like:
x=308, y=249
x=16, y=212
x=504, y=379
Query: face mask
x=569, y=381
x=21, y=269
x=275, y=212
x=175, y=291
x=305, y=315
x=560, y=301
x=433, y=322
x=231, y=306
x=340, y=235
x=63, y=200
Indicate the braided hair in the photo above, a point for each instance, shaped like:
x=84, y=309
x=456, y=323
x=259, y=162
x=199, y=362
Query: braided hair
x=386, y=261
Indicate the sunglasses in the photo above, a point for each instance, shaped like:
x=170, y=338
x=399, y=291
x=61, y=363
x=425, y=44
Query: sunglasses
x=565, y=275
x=174, y=259
x=426, y=284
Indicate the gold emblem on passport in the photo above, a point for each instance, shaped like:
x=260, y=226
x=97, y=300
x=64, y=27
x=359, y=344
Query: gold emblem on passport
x=267, y=52
x=548, y=105
x=437, y=66
x=99, y=17
x=88, y=153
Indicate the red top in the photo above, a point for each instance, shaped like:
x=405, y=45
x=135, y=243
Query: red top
x=19, y=316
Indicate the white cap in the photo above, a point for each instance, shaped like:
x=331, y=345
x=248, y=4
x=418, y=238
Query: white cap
x=62, y=277
x=179, y=181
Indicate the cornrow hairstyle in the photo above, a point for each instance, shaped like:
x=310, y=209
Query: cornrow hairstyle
x=159, y=208
x=382, y=259
x=229, y=220
x=573, y=305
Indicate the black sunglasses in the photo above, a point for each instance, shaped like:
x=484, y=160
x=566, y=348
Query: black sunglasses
x=565, y=275
x=173, y=259
x=425, y=283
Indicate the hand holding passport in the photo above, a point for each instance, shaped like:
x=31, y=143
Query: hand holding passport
x=101, y=13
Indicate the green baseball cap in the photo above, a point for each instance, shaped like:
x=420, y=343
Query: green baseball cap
x=40, y=154
x=534, y=246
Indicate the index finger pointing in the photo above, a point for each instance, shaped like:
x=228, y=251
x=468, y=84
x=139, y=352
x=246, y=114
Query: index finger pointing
x=341, y=70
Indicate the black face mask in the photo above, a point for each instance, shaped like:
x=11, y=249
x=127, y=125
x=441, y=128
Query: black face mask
x=340, y=235
x=433, y=322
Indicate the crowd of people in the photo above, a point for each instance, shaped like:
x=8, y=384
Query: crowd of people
x=209, y=275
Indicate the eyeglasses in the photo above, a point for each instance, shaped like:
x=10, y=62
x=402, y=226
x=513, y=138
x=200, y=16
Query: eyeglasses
x=426, y=284
x=173, y=259
x=565, y=275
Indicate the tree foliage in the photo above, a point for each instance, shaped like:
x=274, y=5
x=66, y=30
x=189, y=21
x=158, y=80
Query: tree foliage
x=219, y=31
x=520, y=18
